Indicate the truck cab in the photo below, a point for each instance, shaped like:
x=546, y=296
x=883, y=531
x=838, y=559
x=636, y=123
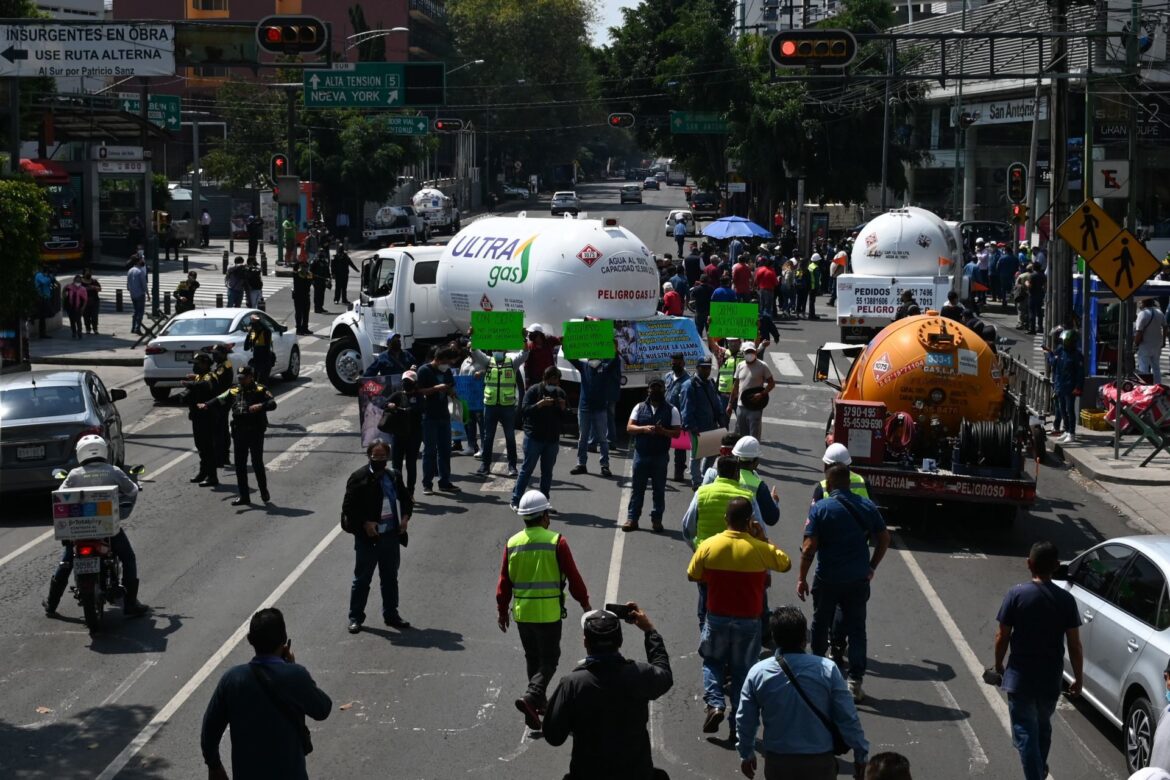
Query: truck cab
x=399, y=293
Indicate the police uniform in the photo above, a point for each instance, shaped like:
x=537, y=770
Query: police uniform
x=320, y=270
x=248, y=432
x=224, y=374
x=302, y=284
x=259, y=341
x=199, y=390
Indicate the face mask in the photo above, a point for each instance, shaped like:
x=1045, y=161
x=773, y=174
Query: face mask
x=498, y=357
x=408, y=386
x=657, y=397
x=550, y=387
x=377, y=466
x=594, y=363
x=1168, y=696
x=750, y=357
x=444, y=367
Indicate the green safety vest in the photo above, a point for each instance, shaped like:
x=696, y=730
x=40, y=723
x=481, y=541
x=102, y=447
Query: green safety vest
x=537, y=583
x=499, y=387
x=857, y=485
x=749, y=480
x=727, y=373
x=713, y=500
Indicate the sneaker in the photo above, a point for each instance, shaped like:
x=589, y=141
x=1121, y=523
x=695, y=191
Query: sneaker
x=512, y=472
x=855, y=690
x=712, y=719
x=447, y=487
x=513, y=506
x=605, y=472
x=482, y=471
x=1068, y=438
x=428, y=491
x=478, y=455
x=578, y=469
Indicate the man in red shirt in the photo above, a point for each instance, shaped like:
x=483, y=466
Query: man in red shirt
x=741, y=281
x=540, y=354
x=766, y=285
x=672, y=302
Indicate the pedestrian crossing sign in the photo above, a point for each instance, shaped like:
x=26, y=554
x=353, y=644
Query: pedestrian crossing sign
x=1124, y=264
x=1088, y=230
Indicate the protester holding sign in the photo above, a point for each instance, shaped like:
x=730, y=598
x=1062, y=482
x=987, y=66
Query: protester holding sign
x=593, y=409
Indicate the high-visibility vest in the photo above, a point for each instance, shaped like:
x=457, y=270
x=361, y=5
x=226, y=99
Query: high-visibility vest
x=713, y=500
x=750, y=480
x=857, y=485
x=727, y=373
x=537, y=583
x=499, y=388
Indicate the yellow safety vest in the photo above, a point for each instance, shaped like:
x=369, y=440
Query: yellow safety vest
x=713, y=500
x=857, y=485
x=749, y=480
x=499, y=387
x=727, y=373
x=537, y=583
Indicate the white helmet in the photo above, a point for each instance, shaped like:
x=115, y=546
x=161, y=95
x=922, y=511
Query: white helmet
x=532, y=503
x=748, y=346
x=536, y=327
x=837, y=453
x=747, y=448
x=90, y=447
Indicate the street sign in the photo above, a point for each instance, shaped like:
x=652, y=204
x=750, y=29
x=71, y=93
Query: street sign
x=89, y=50
x=697, y=122
x=165, y=111
x=407, y=125
x=1111, y=178
x=1124, y=264
x=1088, y=229
x=358, y=85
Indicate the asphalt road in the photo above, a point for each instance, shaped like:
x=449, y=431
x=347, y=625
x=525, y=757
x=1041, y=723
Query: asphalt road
x=436, y=702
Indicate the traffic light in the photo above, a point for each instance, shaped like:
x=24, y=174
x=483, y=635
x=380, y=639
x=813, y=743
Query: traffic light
x=621, y=120
x=1019, y=213
x=1017, y=182
x=291, y=34
x=276, y=193
x=448, y=125
x=802, y=48
x=278, y=166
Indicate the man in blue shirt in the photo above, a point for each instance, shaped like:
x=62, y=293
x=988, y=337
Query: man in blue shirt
x=1036, y=619
x=724, y=294
x=796, y=743
x=392, y=360
x=679, y=282
x=593, y=410
x=837, y=533
x=436, y=384
x=702, y=411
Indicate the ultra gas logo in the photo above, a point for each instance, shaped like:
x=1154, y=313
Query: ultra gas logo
x=498, y=249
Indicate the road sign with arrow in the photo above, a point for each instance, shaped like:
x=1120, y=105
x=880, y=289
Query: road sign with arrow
x=398, y=124
x=162, y=110
x=355, y=85
x=37, y=48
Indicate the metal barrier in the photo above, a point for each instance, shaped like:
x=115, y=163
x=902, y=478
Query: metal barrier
x=1026, y=387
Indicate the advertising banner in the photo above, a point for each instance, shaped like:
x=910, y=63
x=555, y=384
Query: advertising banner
x=646, y=345
x=85, y=513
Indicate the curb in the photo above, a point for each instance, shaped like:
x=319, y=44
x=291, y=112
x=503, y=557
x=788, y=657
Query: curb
x=1086, y=466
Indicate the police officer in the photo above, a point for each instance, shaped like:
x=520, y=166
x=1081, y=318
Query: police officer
x=185, y=293
x=320, y=270
x=259, y=341
x=499, y=408
x=302, y=283
x=536, y=567
x=224, y=373
x=255, y=232
x=250, y=403
x=200, y=388
x=340, y=267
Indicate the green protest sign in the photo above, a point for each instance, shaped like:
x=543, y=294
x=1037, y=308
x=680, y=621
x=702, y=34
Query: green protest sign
x=734, y=320
x=588, y=339
x=492, y=330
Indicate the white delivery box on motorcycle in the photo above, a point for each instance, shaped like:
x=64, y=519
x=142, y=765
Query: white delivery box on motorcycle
x=86, y=513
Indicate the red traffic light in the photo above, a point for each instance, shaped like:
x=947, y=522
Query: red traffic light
x=621, y=120
x=813, y=47
x=279, y=165
x=291, y=34
x=1017, y=182
x=448, y=125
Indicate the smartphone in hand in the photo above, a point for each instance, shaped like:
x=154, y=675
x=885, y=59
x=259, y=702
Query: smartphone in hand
x=622, y=611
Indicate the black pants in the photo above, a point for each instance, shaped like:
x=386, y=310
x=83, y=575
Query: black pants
x=682, y=459
x=542, y=652
x=205, y=235
x=340, y=281
x=91, y=317
x=301, y=315
x=223, y=438
x=249, y=442
x=262, y=361
x=74, y=322
x=170, y=246
x=405, y=449
x=319, y=295
x=203, y=429
x=253, y=244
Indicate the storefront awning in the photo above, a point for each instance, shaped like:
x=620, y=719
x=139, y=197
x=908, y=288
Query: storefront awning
x=85, y=123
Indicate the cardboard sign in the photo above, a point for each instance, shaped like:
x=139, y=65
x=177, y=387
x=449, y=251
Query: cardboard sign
x=85, y=513
x=588, y=339
x=470, y=390
x=492, y=330
x=373, y=394
x=734, y=320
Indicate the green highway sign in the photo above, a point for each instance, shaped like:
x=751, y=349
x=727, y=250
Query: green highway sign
x=398, y=124
x=697, y=122
x=162, y=110
x=356, y=85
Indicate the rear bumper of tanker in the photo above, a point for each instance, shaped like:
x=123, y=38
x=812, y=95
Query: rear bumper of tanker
x=984, y=486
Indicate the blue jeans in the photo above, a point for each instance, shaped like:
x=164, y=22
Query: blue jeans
x=1064, y=409
x=731, y=644
x=139, y=305
x=1031, y=718
x=506, y=417
x=851, y=597
x=383, y=554
x=536, y=450
x=653, y=468
x=235, y=298
x=592, y=427
x=702, y=609
x=698, y=465
x=436, y=450
x=119, y=545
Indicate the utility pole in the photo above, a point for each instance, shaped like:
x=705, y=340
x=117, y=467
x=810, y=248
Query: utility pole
x=890, y=65
x=1033, y=149
x=151, y=241
x=14, y=123
x=1088, y=348
x=1059, y=268
x=1125, y=312
x=957, y=205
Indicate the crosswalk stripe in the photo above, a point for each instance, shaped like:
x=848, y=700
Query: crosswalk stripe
x=812, y=358
x=784, y=364
x=169, y=280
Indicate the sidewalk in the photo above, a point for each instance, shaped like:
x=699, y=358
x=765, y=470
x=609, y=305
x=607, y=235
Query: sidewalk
x=1141, y=494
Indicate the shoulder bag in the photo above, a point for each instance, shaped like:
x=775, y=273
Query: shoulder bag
x=840, y=747
x=856, y=518
x=297, y=719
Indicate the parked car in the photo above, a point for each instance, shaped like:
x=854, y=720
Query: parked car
x=565, y=202
x=675, y=216
x=1121, y=594
x=169, y=355
x=43, y=414
x=631, y=193
x=660, y=176
x=508, y=191
x=705, y=204
x=650, y=183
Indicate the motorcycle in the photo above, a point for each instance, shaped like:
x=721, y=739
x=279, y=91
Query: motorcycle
x=97, y=572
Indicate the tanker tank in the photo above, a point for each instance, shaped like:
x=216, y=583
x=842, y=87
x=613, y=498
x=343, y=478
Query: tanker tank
x=906, y=242
x=551, y=269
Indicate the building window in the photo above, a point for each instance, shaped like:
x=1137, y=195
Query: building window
x=209, y=71
x=210, y=5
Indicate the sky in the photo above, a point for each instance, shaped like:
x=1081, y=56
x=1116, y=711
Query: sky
x=609, y=15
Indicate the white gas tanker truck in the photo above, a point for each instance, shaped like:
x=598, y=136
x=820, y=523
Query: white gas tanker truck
x=904, y=249
x=553, y=270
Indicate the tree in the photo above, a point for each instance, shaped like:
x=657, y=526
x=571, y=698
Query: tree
x=372, y=49
x=24, y=225
x=255, y=116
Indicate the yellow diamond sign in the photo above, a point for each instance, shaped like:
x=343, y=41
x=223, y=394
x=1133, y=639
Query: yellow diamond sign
x=1123, y=264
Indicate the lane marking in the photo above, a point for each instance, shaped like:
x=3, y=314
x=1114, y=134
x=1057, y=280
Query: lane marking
x=171, y=707
x=812, y=358
x=318, y=435
x=619, y=539
x=784, y=364
x=155, y=415
x=978, y=761
x=26, y=547
x=795, y=423
x=125, y=684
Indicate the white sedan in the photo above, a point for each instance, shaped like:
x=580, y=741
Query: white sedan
x=170, y=354
x=680, y=215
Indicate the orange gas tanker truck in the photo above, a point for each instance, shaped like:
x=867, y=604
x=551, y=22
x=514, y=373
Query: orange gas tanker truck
x=922, y=412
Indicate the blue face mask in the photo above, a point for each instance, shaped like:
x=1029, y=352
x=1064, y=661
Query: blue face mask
x=1168, y=697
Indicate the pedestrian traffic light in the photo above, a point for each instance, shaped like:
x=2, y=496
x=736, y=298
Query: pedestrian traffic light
x=1017, y=182
x=621, y=120
x=448, y=125
x=1019, y=213
x=278, y=166
x=823, y=48
x=291, y=34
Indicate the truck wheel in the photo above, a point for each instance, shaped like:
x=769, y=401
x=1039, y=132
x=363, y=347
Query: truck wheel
x=160, y=393
x=343, y=364
x=456, y=226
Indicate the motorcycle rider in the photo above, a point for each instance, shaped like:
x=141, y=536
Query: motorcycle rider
x=96, y=471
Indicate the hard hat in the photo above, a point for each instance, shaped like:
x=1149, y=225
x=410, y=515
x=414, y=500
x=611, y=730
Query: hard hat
x=667, y=286
x=837, y=453
x=532, y=503
x=980, y=241
x=91, y=447
x=536, y=327
x=747, y=448
x=748, y=346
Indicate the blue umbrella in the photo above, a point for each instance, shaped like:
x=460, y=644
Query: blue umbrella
x=726, y=227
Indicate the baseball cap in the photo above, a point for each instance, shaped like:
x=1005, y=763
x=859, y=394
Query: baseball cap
x=703, y=361
x=536, y=327
x=603, y=630
x=390, y=336
x=411, y=375
x=749, y=346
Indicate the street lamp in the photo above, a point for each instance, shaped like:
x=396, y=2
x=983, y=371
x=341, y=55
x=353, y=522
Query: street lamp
x=465, y=65
x=369, y=35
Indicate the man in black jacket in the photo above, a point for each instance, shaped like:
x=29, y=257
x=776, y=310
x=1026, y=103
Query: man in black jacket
x=250, y=402
x=376, y=509
x=542, y=407
x=605, y=702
